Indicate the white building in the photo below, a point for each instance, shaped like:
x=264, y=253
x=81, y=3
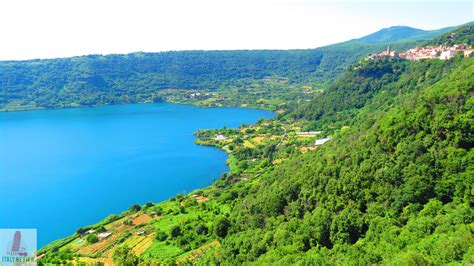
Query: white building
x=467, y=53
x=308, y=133
x=104, y=235
x=320, y=142
x=446, y=55
x=220, y=137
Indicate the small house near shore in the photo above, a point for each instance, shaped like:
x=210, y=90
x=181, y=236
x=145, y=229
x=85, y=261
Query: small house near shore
x=220, y=137
x=104, y=235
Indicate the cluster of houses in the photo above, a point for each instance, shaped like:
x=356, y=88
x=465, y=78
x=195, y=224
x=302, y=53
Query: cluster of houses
x=426, y=52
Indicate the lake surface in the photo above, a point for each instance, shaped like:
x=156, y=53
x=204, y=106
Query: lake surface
x=68, y=168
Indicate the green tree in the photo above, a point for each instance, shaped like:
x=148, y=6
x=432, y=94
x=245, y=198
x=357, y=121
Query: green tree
x=175, y=231
x=124, y=256
x=135, y=208
x=160, y=235
x=221, y=226
x=92, y=238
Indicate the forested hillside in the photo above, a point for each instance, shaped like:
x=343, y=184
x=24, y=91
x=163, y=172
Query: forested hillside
x=396, y=187
x=139, y=77
x=341, y=104
x=463, y=34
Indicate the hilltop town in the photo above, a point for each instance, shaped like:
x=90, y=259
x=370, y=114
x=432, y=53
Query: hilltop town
x=426, y=52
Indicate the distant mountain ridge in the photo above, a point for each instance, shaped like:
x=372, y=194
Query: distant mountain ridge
x=402, y=33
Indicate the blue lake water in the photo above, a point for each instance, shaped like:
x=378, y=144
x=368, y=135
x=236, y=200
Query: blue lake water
x=64, y=169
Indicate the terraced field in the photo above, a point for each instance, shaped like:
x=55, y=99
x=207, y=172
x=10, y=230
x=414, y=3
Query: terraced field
x=137, y=230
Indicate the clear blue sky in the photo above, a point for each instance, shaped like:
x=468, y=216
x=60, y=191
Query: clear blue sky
x=60, y=28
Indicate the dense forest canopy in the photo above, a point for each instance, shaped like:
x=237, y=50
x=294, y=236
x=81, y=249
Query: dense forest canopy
x=396, y=186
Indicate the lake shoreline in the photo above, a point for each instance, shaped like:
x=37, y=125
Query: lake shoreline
x=198, y=175
x=197, y=104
